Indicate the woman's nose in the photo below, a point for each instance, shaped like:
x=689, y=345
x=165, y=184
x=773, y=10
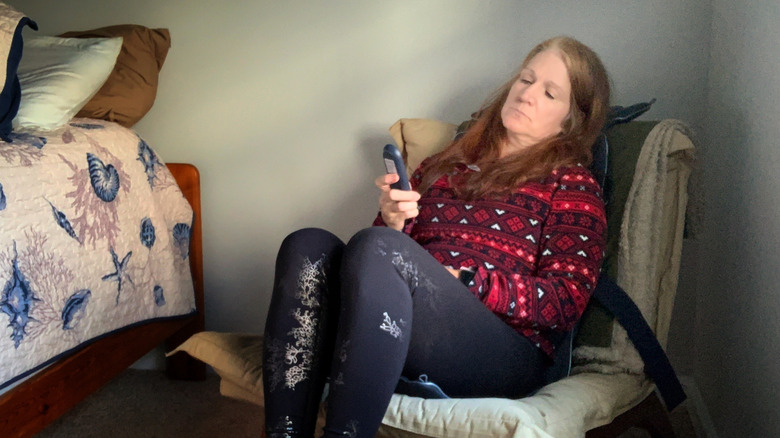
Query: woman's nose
x=527, y=94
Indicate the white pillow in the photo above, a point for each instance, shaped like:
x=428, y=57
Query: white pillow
x=58, y=76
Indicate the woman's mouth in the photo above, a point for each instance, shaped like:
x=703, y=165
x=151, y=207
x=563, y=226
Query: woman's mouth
x=519, y=113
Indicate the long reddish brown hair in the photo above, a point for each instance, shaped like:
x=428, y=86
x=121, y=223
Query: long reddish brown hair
x=481, y=144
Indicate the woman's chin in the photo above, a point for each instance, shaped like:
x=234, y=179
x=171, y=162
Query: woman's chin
x=515, y=125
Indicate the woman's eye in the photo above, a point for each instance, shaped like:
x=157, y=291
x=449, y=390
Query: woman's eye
x=550, y=96
x=525, y=81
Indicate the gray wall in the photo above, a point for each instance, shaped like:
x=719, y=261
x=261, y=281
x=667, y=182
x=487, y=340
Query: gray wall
x=284, y=105
x=738, y=318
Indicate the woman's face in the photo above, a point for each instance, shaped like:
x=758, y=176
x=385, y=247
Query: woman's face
x=537, y=103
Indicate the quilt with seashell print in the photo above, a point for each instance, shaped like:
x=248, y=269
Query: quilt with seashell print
x=94, y=237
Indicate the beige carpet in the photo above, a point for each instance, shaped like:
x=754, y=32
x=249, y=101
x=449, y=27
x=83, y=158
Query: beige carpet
x=146, y=404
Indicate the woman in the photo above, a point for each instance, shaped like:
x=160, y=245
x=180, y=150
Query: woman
x=501, y=243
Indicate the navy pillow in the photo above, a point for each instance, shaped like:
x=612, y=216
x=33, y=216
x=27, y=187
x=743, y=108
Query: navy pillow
x=624, y=114
x=599, y=165
x=11, y=94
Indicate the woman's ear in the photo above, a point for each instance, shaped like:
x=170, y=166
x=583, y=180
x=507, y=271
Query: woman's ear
x=567, y=126
x=573, y=120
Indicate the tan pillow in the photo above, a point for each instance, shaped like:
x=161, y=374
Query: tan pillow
x=421, y=138
x=236, y=357
x=129, y=92
x=234, y=390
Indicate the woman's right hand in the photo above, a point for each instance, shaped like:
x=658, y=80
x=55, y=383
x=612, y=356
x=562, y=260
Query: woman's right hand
x=396, y=205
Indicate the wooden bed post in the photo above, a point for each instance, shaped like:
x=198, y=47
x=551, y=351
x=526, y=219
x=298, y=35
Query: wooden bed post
x=183, y=366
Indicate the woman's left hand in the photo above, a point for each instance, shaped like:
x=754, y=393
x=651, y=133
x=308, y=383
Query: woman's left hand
x=455, y=272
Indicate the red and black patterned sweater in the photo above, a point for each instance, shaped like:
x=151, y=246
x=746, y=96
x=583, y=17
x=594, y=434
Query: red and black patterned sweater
x=536, y=253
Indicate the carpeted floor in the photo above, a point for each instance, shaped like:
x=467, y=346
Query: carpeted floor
x=145, y=404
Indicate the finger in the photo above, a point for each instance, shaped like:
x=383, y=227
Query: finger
x=391, y=208
x=404, y=195
x=409, y=214
x=384, y=200
x=406, y=206
x=399, y=216
x=386, y=179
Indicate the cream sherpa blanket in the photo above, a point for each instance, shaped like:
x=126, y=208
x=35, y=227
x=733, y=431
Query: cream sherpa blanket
x=650, y=244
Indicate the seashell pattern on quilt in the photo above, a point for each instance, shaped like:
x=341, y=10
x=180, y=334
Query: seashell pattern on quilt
x=94, y=237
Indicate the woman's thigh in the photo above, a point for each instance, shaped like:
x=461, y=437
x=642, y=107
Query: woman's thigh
x=455, y=340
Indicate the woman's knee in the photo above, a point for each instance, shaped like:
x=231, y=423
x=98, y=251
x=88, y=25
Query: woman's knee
x=375, y=241
x=310, y=241
x=379, y=254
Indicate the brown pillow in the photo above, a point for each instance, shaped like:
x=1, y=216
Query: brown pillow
x=131, y=88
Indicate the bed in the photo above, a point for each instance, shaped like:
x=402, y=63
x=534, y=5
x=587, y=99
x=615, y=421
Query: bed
x=100, y=239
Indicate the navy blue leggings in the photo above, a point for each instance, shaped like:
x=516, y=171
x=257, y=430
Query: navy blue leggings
x=362, y=314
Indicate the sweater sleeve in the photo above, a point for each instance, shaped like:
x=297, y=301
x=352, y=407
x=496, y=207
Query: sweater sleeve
x=569, y=253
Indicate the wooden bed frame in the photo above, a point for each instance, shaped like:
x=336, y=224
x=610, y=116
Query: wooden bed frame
x=32, y=405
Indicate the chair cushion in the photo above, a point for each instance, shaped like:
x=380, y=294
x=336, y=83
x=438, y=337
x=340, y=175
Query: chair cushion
x=625, y=142
x=566, y=408
x=649, y=244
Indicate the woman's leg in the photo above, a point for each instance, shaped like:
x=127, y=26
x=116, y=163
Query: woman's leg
x=300, y=331
x=468, y=351
x=398, y=300
x=373, y=333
